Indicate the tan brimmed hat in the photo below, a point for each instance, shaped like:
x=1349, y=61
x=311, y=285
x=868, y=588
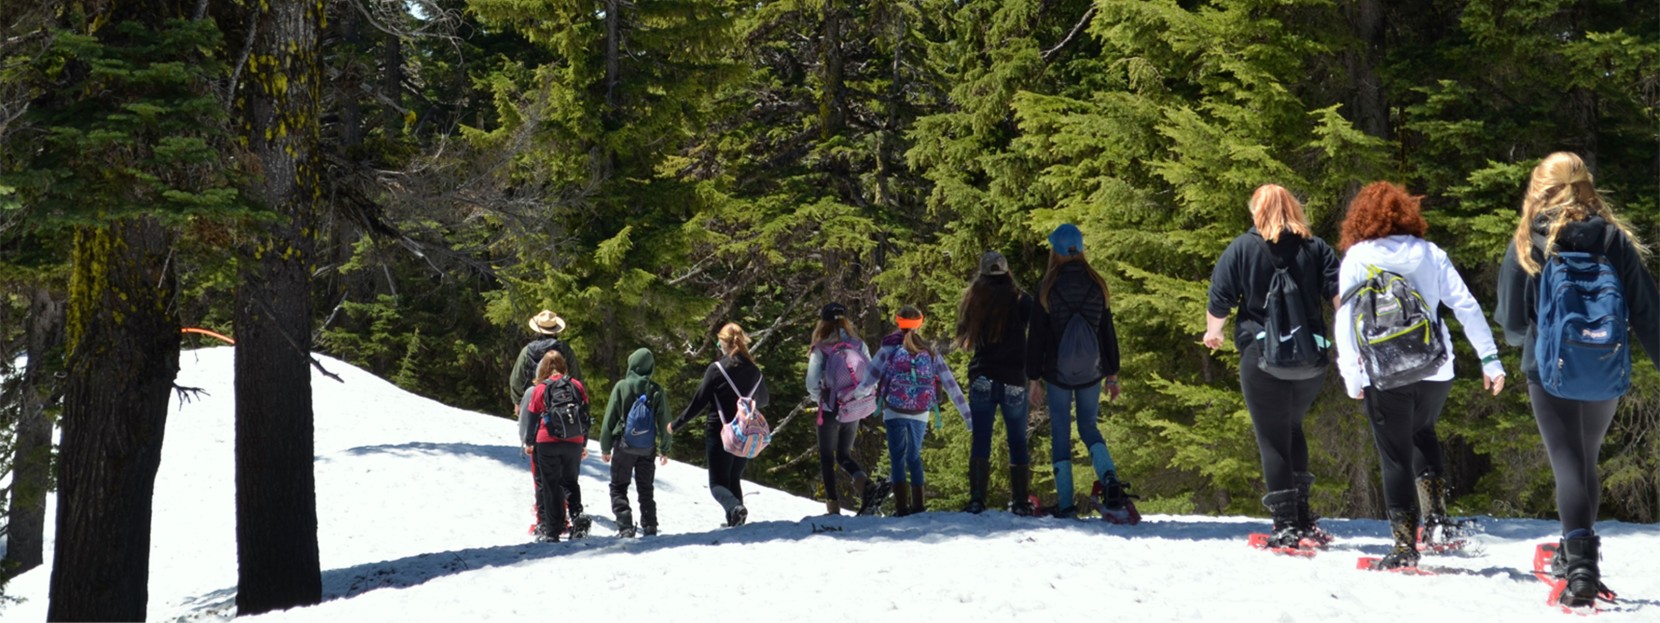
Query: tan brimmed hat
x=547, y=323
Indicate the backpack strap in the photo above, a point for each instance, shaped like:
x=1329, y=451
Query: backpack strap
x=734, y=386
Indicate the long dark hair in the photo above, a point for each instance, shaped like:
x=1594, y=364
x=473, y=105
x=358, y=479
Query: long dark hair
x=1057, y=260
x=987, y=305
x=828, y=330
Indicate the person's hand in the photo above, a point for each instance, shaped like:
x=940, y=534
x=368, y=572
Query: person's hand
x=605, y=457
x=584, y=453
x=1360, y=395
x=663, y=459
x=671, y=429
x=1112, y=387
x=1034, y=393
x=1494, y=383
x=530, y=450
x=1213, y=339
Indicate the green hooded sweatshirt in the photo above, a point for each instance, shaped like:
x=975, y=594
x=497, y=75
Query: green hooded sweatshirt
x=640, y=366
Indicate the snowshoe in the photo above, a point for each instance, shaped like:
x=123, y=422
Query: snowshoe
x=580, y=525
x=649, y=531
x=1115, y=504
x=737, y=516
x=1550, y=568
x=625, y=532
x=1376, y=563
x=1285, y=542
x=875, y=494
x=1442, y=535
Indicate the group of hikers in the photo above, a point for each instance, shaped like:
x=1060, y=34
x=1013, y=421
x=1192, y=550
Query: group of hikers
x=1572, y=287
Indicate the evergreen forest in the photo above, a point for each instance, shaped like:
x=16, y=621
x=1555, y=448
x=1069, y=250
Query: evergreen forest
x=401, y=184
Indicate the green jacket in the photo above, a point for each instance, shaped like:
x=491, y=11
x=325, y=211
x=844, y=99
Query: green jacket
x=640, y=366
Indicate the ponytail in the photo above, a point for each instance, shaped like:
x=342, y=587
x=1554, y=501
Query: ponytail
x=912, y=317
x=734, y=340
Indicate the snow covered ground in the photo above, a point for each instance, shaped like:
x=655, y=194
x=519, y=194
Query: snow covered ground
x=423, y=513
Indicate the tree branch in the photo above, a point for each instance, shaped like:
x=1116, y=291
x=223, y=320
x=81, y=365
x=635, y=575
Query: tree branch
x=1076, y=28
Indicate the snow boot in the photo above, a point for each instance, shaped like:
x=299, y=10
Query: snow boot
x=1579, y=566
x=1307, y=521
x=1439, y=530
x=580, y=525
x=1020, y=480
x=737, y=516
x=1115, y=502
x=901, y=500
x=1403, y=526
x=916, y=499
x=832, y=506
x=625, y=531
x=1282, y=506
x=649, y=529
x=978, y=472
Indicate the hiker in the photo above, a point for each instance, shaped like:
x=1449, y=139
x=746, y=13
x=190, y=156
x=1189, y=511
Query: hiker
x=553, y=425
x=839, y=377
x=636, y=427
x=1396, y=354
x=548, y=326
x=912, y=375
x=1569, y=238
x=734, y=375
x=991, y=323
x=1279, y=270
x=1071, y=354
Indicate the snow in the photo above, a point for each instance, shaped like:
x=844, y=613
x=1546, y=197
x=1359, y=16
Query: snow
x=423, y=511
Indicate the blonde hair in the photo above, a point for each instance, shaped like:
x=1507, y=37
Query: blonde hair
x=1560, y=191
x=551, y=362
x=913, y=339
x=735, y=341
x=1274, y=211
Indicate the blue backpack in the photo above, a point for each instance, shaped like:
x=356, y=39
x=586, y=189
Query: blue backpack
x=1582, y=321
x=640, y=427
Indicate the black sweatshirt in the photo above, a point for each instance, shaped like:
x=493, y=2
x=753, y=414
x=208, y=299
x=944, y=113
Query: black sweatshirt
x=1002, y=358
x=1241, y=278
x=715, y=391
x=1072, y=283
x=1519, y=291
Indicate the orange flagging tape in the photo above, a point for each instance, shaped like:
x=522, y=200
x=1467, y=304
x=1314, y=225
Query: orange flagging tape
x=208, y=333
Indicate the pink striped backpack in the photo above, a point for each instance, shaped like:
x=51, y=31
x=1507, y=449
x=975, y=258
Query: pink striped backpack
x=747, y=433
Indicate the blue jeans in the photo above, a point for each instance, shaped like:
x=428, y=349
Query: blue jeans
x=905, y=450
x=1061, y=400
x=984, y=397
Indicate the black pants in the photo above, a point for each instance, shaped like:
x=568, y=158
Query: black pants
x=1403, y=421
x=835, y=447
x=726, y=472
x=1277, y=410
x=642, y=468
x=1573, y=433
x=555, y=462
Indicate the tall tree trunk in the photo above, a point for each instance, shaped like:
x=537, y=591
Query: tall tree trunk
x=32, y=451
x=124, y=354
x=276, y=494
x=1367, y=104
x=833, y=100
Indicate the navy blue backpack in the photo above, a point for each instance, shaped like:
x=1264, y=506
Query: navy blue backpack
x=640, y=427
x=1582, y=323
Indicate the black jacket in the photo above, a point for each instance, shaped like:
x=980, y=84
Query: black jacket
x=1002, y=358
x=1240, y=280
x=1072, y=285
x=1519, y=291
x=715, y=392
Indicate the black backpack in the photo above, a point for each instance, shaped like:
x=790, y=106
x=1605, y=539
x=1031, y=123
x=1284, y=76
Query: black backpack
x=563, y=414
x=1291, y=348
x=1396, y=333
x=540, y=348
x=1078, y=350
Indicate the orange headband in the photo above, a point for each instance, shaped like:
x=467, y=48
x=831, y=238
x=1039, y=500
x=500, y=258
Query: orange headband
x=909, y=324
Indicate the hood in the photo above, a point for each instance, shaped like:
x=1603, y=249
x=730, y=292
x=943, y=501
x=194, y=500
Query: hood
x=1586, y=235
x=1399, y=254
x=641, y=363
x=894, y=339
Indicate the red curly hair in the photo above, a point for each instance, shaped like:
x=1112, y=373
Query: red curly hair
x=1381, y=209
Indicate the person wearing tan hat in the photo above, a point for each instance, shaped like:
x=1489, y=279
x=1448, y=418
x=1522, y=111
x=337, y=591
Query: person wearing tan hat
x=548, y=326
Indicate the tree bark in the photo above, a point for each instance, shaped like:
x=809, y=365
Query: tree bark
x=276, y=497
x=32, y=450
x=1368, y=106
x=124, y=355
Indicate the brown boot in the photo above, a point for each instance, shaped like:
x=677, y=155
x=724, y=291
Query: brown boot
x=916, y=499
x=832, y=507
x=901, y=500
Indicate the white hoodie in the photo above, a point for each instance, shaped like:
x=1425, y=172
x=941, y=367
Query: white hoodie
x=1429, y=271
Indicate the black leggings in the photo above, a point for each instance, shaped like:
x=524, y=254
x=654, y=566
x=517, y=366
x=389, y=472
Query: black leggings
x=835, y=447
x=1573, y=433
x=556, y=464
x=726, y=472
x=1403, y=423
x=1277, y=410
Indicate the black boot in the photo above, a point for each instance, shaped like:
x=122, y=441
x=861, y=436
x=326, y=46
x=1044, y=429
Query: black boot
x=979, y=470
x=1579, y=564
x=1282, y=506
x=1307, y=521
x=1439, y=528
x=1403, y=525
x=872, y=494
x=1020, y=481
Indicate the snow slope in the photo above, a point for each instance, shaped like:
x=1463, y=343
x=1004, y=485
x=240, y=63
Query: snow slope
x=423, y=511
